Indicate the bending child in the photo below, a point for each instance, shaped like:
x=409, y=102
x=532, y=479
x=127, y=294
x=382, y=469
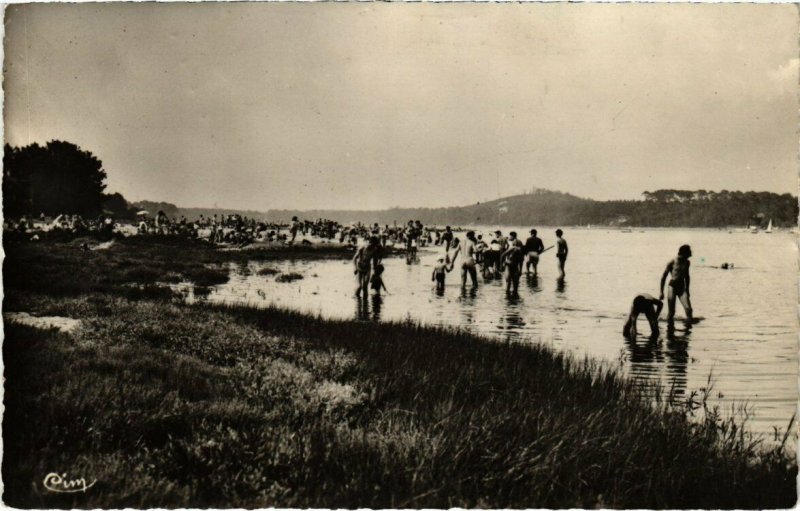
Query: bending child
x=650, y=307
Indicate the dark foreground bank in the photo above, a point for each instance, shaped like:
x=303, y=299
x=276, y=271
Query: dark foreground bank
x=169, y=405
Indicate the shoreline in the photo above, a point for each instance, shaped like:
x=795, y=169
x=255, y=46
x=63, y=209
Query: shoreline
x=331, y=413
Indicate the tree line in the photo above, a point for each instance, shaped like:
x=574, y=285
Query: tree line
x=60, y=177
x=661, y=208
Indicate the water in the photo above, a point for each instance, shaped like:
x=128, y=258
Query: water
x=747, y=338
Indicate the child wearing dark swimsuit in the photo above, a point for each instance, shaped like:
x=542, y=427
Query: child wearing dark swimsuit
x=376, y=281
x=440, y=272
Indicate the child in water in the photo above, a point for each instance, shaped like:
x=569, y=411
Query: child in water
x=439, y=272
x=650, y=307
x=376, y=281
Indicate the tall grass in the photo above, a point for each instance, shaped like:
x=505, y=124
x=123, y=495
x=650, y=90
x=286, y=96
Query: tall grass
x=170, y=405
x=228, y=406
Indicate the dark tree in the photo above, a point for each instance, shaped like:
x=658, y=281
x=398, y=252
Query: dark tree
x=57, y=178
x=16, y=185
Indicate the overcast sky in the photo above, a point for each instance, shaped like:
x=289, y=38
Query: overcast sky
x=286, y=105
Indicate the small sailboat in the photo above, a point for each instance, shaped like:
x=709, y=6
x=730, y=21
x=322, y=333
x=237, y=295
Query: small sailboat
x=769, y=227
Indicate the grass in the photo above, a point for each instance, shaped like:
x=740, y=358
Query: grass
x=170, y=405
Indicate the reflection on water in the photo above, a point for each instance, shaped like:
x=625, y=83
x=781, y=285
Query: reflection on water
x=653, y=359
x=368, y=308
x=747, y=337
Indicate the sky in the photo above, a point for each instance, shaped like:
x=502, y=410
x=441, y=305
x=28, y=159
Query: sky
x=375, y=105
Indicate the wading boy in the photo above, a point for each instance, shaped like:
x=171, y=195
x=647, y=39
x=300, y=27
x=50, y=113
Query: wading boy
x=440, y=271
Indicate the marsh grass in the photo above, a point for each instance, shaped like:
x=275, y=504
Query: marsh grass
x=66, y=269
x=288, y=277
x=169, y=405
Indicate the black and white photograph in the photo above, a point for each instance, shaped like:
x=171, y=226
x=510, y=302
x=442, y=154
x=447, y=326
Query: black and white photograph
x=400, y=255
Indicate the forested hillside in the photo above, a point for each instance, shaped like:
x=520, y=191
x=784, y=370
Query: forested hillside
x=661, y=208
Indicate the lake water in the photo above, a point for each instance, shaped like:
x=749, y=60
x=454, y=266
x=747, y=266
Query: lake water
x=747, y=337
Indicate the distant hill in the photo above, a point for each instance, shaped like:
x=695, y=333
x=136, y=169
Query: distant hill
x=662, y=208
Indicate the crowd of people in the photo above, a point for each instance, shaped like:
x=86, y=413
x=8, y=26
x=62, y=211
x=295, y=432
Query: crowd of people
x=499, y=256
x=33, y=228
x=508, y=257
x=231, y=229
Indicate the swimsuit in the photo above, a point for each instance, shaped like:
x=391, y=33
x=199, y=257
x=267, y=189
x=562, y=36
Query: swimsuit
x=678, y=286
x=678, y=277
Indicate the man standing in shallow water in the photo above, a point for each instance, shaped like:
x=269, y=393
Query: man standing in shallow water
x=468, y=265
x=533, y=247
x=678, y=269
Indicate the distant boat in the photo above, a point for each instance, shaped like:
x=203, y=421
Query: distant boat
x=626, y=230
x=769, y=227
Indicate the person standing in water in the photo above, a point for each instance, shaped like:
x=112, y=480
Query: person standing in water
x=561, y=253
x=440, y=271
x=294, y=228
x=468, y=266
x=650, y=307
x=678, y=271
x=447, y=238
x=533, y=247
x=376, y=281
x=366, y=256
x=512, y=259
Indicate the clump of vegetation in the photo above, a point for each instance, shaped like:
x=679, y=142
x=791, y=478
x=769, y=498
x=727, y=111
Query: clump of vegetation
x=266, y=272
x=288, y=277
x=205, y=277
x=147, y=292
x=201, y=290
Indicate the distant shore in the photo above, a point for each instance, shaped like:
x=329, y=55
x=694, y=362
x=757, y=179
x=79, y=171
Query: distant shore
x=167, y=404
x=661, y=208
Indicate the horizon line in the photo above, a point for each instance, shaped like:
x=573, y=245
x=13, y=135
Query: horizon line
x=445, y=207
